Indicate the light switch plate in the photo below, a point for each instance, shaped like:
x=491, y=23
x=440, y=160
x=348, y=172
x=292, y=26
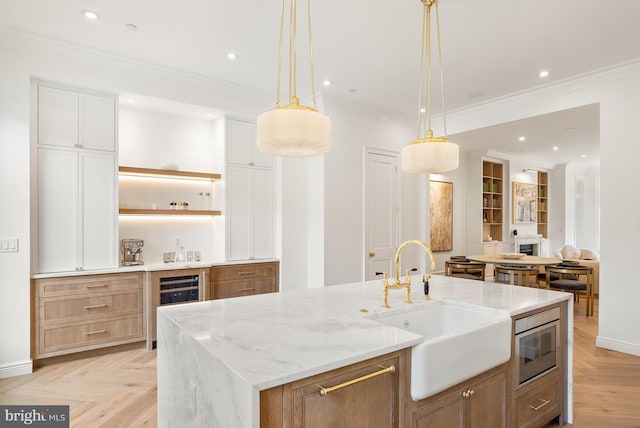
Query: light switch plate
x=9, y=245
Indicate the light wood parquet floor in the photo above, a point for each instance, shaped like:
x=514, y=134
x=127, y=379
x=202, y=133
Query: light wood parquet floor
x=119, y=389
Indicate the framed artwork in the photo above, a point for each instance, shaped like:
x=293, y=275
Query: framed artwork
x=524, y=202
x=441, y=211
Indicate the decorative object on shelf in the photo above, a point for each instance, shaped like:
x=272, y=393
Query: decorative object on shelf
x=294, y=130
x=428, y=154
x=441, y=211
x=524, y=202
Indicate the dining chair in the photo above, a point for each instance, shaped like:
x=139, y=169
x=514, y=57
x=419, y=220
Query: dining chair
x=462, y=269
x=516, y=275
x=570, y=279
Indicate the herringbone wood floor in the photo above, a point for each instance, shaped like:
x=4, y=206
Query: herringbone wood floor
x=119, y=389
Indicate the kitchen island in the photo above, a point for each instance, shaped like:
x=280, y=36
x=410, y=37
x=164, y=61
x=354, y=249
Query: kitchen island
x=215, y=358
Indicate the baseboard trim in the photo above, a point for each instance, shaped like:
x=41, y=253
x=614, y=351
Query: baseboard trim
x=16, y=369
x=618, y=345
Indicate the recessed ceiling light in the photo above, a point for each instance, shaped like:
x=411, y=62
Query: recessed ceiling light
x=522, y=138
x=131, y=27
x=232, y=56
x=130, y=100
x=583, y=156
x=327, y=83
x=423, y=110
x=91, y=15
x=544, y=73
x=209, y=114
x=555, y=147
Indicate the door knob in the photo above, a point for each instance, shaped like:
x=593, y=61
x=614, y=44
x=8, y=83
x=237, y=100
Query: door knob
x=372, y=254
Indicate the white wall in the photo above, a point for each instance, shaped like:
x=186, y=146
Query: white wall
x=618, y=92
x=22, y=60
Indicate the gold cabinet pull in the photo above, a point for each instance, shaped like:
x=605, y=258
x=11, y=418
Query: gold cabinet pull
x=104, y=305
x=468, y=393
x=544, y=403
x=325, y=391
x=96, y=286
x=372, y=254
x=246, y=289
x=248, y=272
x=89, y=333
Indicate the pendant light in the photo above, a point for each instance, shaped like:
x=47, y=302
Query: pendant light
x=293, y=130
x=428, y=154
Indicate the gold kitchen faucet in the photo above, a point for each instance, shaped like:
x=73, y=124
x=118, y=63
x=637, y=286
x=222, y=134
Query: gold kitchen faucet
x=406, y=285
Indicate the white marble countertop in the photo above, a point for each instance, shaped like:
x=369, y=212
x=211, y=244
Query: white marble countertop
x=149, y=267
x=217, y=356
x=272, y=339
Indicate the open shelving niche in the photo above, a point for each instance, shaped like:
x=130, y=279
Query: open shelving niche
x=492, y=200
x=543, y=203
x=168, y=174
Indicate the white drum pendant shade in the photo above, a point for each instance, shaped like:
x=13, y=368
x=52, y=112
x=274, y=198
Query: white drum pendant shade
x=293, y=132
x=429, y=157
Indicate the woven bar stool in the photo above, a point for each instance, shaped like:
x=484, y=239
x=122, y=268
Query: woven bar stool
x=570, y=279
x=468, y=270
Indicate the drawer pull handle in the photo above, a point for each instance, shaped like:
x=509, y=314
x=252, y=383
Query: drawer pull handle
x=89, y=333
x=325, y=391
x=246, y=289
x=104, y=305
x=248, y=272
x=468, y=393
x=544, y=403
x=95, y=286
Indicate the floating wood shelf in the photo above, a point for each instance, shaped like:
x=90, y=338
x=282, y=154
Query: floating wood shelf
x=137, y=211
x=168, y=173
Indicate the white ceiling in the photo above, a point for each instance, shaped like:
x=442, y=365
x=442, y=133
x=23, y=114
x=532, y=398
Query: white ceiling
x=367, y=48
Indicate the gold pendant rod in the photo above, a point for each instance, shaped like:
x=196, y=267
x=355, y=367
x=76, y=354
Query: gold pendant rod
x=280, y=54
x=444, y=112
x=293, y=47
x=313, y=80
x=429, y=66
x=422, y=115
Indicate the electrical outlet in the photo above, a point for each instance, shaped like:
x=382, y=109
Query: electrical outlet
x=191, y=396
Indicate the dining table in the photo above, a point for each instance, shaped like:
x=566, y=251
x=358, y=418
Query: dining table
x=519, y=261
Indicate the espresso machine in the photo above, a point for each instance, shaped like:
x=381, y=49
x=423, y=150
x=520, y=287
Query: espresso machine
x=131, y=252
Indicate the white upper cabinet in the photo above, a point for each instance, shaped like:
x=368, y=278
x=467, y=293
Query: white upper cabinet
x=57, y=117
x=241, y=145
x=72, y=119
x=97, y=122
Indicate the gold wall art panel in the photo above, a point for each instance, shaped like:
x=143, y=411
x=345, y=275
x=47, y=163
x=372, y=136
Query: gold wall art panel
x=441, y=211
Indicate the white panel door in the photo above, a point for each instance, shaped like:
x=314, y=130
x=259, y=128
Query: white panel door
x=238, y=142
x=381, y=212
x=57, y=117
x=262, y=212
x=58, y=237
x=97, y=122
x=98, y=210
x=238, y=213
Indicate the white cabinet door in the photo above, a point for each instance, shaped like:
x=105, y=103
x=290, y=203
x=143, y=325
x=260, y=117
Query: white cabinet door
x=98, y=208
x=57, y=117
x=76, y=210
x=239, y=215
x=263, y=208
x=97, y=122
x=241, y=145
x=58, y=238
x=250, y=213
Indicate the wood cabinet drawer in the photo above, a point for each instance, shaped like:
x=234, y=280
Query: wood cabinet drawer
x=243, y=287
x=244, y=271
x=67, y=309
x=87, y=335
x=540, y=402
x=88, y=284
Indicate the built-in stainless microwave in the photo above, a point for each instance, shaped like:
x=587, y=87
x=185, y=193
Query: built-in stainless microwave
x=536, y=345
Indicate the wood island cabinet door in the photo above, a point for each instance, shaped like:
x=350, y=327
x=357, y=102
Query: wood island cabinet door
x=372, y=403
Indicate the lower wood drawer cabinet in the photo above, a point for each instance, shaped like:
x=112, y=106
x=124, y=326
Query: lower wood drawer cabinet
x=366, y=394
x=81, y=313
x=244, y=279
x=538, y=403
